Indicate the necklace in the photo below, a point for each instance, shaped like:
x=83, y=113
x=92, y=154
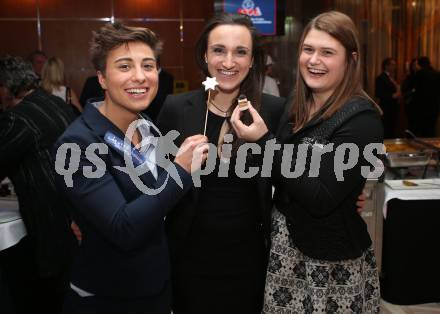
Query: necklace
x=226, y=113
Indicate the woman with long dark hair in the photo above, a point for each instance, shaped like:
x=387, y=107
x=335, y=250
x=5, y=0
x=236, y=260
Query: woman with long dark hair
x=217, y=232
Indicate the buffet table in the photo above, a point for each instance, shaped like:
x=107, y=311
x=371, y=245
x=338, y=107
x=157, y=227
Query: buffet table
x=411, y=242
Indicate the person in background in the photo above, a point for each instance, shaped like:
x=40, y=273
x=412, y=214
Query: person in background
x=270, y=84
x=408, y=89
x=36, y=268
x=388, y=93
x=122, y=264
x=166, y=86
x=426, y=98
x=37, y=59
x=321, y=259
x=52, y=81
x=91, y=89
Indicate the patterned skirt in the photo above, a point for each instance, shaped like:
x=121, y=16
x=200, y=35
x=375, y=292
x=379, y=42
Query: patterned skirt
x=299, y=284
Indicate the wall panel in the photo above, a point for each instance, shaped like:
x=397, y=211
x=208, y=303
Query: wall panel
x=75, y=8
x=147, y=8
x=18, y=38
x=66, y=30
x=18, y=9
x=69, y=40
x=192, y=73
x=197, y=9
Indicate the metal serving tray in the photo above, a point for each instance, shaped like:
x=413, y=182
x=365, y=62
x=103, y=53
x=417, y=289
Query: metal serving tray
x=406, y=153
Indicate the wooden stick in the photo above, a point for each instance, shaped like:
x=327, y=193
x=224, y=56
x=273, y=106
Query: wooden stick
x=206, y=115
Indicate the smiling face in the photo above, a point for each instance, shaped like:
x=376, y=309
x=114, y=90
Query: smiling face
x=229, y=56
x=322, y=63
x=130, y=80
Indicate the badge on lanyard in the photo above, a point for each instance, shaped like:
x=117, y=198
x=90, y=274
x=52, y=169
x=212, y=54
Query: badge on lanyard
x=118, y=144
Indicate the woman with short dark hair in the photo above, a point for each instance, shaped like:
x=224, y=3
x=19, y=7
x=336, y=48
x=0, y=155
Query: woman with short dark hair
x=122, y=264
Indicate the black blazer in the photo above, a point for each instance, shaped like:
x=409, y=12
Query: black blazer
x=185, y=113
x=124, y=252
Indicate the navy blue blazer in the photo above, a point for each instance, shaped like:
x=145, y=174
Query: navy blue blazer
x=124, y=252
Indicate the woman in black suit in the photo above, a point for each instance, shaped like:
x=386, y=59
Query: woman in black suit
x=217, y=232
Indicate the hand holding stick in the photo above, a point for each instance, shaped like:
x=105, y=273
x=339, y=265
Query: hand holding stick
x=210, y=83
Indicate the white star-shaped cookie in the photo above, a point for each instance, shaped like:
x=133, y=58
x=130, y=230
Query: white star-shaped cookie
x=210, y=83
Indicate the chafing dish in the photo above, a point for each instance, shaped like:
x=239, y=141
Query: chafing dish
x=406, y=153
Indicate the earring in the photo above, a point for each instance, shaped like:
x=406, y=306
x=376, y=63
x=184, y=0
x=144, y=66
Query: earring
x=206, y=60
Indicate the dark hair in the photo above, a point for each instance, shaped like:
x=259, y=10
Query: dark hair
x=253, y=83
x=424, y=62
x=17, y=75
x=114, y=35
x=340, y=27
x=386, y=62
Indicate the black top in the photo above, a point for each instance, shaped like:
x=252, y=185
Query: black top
x=321, y=209
x=216, y=232
x=225, y=234
x=185, y=113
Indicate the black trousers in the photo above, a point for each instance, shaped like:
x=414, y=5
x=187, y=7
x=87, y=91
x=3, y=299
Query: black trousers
x=27, y=290
x=157, y=304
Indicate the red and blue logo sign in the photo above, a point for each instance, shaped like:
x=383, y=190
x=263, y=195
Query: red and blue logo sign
x=262, y=13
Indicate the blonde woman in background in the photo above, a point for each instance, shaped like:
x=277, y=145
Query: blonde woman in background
x=52, y=80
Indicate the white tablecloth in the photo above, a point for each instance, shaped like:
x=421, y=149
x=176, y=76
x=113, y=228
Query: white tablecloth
x=409, y=193
x=12, y=228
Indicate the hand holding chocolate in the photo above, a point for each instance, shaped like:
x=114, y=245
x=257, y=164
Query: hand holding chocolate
x=243, y=103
